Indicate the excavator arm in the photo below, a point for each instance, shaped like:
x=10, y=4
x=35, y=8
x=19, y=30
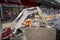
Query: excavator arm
x=24, y=14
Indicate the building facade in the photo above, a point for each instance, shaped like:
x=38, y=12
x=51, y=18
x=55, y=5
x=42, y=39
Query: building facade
x=11, y=8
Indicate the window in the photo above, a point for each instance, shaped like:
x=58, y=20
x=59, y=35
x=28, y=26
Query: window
x=59, y=11
x=44, y=10
x=48, y=11
x=51, y=10
x=56, y=11
x=16, y=0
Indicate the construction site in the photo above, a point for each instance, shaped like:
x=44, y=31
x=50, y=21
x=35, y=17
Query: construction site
x=39, y=20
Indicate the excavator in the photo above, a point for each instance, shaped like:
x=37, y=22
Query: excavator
x=21, y=18
x=24, y=14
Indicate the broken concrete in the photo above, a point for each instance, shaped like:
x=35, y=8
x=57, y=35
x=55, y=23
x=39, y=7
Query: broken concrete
x=40, y=34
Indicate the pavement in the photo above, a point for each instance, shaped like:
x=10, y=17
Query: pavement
x=8, y=24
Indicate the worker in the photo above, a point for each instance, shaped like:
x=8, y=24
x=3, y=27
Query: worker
x=7, y=34
x=29, y=22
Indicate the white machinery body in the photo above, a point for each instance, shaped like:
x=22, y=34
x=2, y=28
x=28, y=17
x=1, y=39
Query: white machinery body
x=24, y=14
